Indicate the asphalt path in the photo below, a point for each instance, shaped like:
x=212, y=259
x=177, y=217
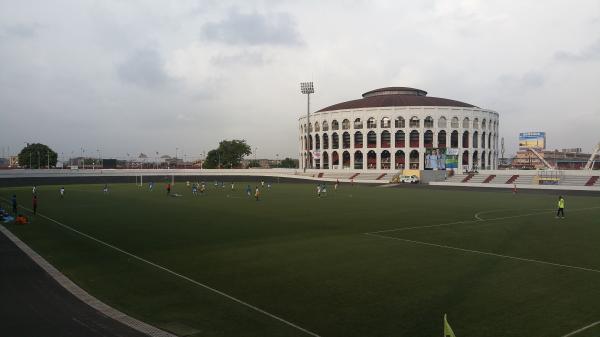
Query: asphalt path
x=33, y=304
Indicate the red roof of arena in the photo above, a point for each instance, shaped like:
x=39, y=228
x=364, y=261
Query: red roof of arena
x=396, y=96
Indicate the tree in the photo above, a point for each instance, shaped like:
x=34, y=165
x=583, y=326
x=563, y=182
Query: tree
x=289, y=163
x=36, y=156
x=212, y=159
x=229, y=154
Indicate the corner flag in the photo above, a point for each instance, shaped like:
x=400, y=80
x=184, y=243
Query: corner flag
x=447, y=329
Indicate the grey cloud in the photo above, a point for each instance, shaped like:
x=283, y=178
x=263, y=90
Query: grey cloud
x=144, y=67
x=590, y=53
x=243, y=58
x=254, y=29
x=531, y=79
x=21, y=30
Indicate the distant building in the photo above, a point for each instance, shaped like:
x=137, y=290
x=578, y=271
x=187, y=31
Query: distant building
x=13, y=161
x=564, y=159
x=262, y=163
x=396, y=128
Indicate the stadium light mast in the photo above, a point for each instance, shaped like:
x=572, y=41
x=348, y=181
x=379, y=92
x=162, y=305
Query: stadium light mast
x=307, y=88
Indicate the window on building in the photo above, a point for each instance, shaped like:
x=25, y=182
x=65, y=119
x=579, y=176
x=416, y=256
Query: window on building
x=442, y=123
x=358, y=124
x=399, y=122
x=371, y=124
x=428, y=123
x=385, y=123
x=414, y=122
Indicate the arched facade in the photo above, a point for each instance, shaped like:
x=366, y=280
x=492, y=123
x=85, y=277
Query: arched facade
x=397, y=136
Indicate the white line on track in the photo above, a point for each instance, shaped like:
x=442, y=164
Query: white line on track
x=402, y=229
x=573, y=333
x=255, y=308
x=484, y=253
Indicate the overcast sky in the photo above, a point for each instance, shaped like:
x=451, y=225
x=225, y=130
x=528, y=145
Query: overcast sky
x=145, y=76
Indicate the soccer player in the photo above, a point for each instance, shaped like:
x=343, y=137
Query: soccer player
x=195, y=189
x=105, y=190
x=202, y=188
x=14, y=203
x=34, y=189
x=337, y=182
x=62, y=192
x=319, y=190
x=514, y=188
x=248, y=191
x=34, y=204
x=561, y=207
x=168, y=189
x=324, y=190
x=232, y=185
x=151, y=186
x=269, y=186
x=256, y=193
x=262, y=183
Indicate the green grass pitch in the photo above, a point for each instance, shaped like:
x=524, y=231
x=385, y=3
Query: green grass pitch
x=517, y=271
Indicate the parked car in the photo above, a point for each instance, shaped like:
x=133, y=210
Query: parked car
x=409, y=179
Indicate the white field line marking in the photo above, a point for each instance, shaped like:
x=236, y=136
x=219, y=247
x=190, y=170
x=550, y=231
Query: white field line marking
x=573, y=333
x=484, y=253
x=179, y=275
x=402, y=229
x=477, y=215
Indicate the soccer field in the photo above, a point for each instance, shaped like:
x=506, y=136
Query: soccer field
x=363, y=261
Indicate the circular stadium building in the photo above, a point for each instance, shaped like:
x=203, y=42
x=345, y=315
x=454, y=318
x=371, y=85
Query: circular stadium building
x=399, y=128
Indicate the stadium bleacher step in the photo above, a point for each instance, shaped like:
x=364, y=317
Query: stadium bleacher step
x=592, y=181
x=489, y=178
x=468, y=177
x=512, y=179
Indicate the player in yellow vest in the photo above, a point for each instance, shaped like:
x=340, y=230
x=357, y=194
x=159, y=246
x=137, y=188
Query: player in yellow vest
x=561, y=208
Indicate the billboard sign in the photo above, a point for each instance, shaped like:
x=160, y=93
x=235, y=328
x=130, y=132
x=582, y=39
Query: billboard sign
x=436, y=159
x=532, y=140
x=452, y=158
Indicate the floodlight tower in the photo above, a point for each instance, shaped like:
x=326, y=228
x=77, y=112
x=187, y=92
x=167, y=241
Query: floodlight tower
x=307, y=88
